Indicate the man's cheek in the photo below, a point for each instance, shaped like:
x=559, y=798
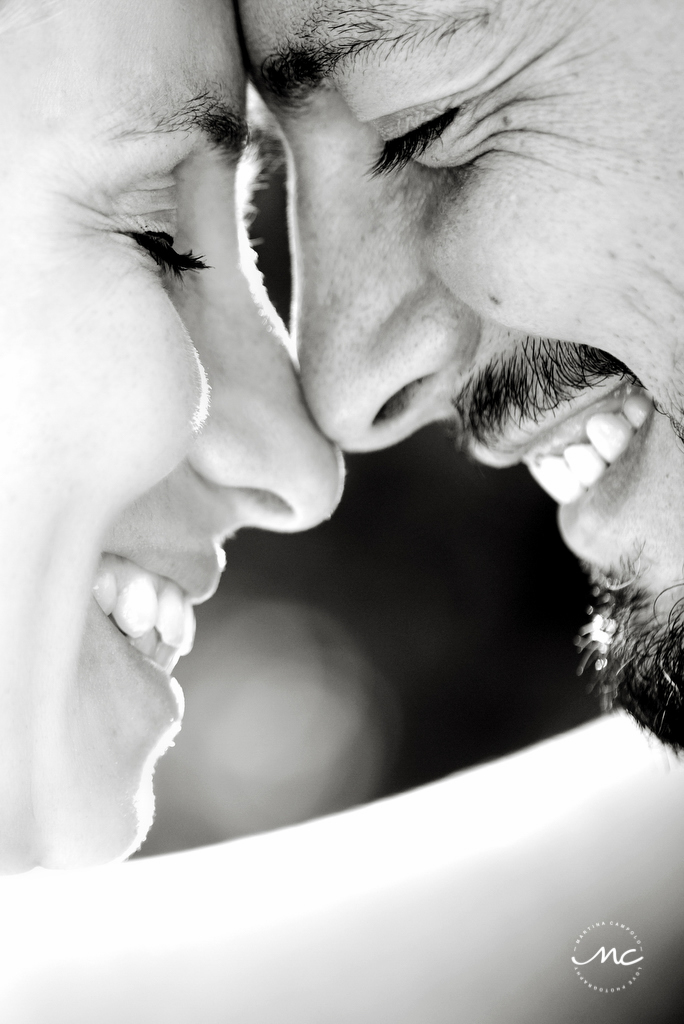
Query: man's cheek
x=522, y=254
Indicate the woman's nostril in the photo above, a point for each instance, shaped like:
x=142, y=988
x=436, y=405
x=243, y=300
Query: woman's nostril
x=398, y=403
x=268, y=502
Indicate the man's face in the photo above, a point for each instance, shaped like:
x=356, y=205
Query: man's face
x=148, y=408
x=490, y=230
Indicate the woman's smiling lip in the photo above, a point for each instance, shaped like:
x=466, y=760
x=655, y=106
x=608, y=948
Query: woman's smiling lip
x=153, y=609
x=152, y=696
x=197, y=571
x=153, y=672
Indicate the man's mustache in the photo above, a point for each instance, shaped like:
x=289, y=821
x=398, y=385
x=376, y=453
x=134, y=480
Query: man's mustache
x=535, y=380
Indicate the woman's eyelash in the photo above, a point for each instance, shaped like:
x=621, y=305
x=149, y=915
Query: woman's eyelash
x=397, y=153
x=160, y=247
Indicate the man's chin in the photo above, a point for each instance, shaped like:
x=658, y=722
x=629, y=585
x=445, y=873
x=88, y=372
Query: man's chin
x=638, y=658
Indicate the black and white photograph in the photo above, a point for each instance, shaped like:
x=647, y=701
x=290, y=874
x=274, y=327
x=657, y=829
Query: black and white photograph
x=342, y=511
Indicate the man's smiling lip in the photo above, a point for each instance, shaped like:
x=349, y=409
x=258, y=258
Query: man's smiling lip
x=584, y=519
x=583, y=449
x=551, y=433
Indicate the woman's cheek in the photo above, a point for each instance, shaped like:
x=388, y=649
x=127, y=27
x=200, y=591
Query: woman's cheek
x=143, y=389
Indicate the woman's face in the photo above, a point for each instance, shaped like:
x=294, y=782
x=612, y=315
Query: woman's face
x=148, y=411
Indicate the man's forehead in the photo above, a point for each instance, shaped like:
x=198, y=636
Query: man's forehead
x=306, y=41
x=320, y=21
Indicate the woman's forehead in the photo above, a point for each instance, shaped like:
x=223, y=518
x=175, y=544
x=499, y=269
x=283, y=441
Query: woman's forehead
x=127, y=60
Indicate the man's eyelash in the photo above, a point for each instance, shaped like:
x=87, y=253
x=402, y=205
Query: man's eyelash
x=397, y=153
x=160, y=247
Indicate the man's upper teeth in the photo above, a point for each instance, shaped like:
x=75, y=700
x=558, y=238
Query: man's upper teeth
x=152, y=610
x=637, y=409
x=610, y=433
x=585, y=462
x=553, y=474
x=566, y=476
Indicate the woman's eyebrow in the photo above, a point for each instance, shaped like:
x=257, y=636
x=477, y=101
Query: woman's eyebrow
x=207, y=113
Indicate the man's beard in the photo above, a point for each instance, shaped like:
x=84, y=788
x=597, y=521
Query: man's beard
x=639, y=660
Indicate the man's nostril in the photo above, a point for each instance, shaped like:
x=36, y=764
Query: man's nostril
x=398, y=403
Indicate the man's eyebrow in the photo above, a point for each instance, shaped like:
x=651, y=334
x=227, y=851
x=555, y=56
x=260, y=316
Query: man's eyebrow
x=331, y=37
x=207, y=113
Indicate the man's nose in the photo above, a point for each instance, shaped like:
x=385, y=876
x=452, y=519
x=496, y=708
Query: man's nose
x=382, y=342
x=373, y=375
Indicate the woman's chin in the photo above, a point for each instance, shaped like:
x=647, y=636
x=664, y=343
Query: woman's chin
x=96, y=834
x=77, y=837
x=86, y=829
x=88, y=766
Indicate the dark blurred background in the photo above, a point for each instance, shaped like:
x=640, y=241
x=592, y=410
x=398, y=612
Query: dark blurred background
x=426, y=628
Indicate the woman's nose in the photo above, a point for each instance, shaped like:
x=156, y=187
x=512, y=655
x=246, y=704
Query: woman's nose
x=260, y=452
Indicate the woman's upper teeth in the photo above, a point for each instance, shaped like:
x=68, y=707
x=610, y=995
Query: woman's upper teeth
x=151, y=610
x=566, y=475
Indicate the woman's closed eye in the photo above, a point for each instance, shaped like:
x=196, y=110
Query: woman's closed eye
x=397, y=153
x=160, y=247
